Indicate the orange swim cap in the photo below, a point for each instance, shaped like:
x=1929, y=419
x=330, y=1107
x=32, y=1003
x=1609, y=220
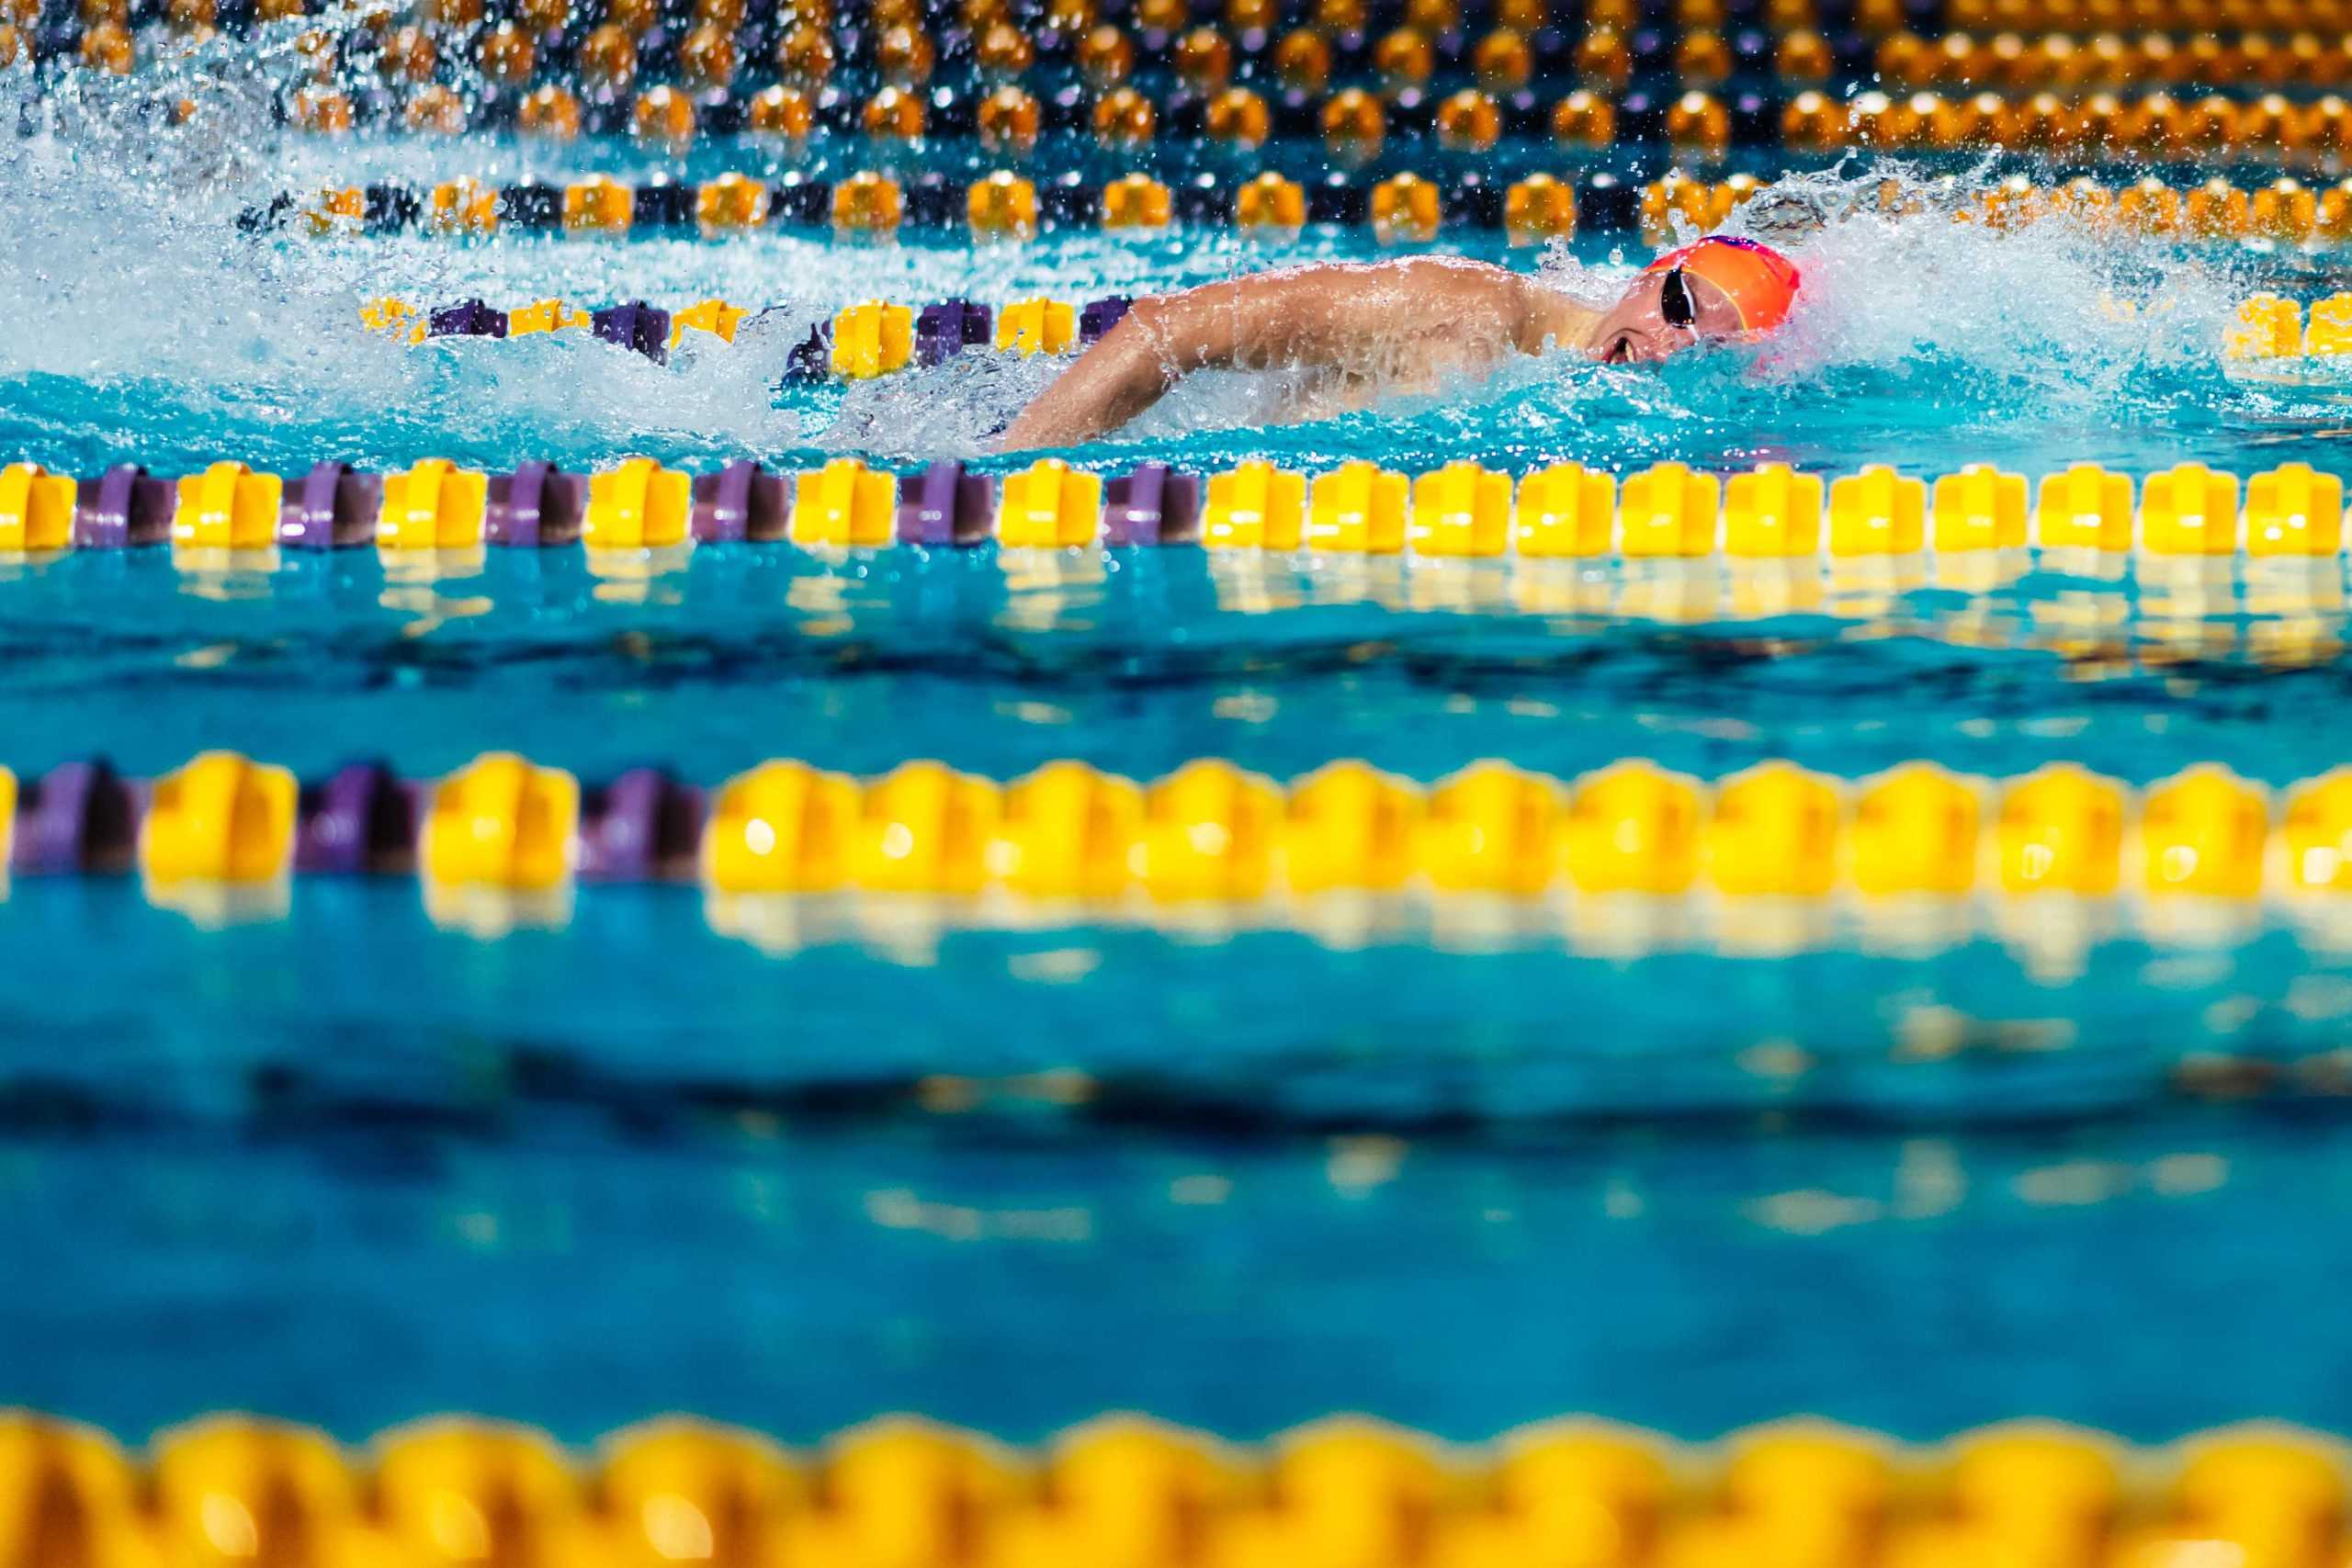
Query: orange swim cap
x=1762, y=282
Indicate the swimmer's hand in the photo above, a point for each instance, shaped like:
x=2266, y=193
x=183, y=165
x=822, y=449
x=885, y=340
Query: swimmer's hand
x=1405, y=320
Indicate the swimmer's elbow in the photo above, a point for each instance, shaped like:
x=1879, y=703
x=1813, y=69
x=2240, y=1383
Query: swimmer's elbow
x=1164, y=336
x=1146, y=315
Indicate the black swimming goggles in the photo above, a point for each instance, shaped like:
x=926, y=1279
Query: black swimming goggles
x=1674, y=300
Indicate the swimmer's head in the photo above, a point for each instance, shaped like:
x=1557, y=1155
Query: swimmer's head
x=1718, y=288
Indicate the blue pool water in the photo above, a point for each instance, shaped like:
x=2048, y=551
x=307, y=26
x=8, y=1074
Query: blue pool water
x=583, y=1265
x=348, y=1166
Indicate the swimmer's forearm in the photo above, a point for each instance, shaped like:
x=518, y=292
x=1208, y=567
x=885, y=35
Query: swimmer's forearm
x=1114, y=381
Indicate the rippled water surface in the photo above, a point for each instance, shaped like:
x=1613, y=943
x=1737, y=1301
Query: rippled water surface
x=1461, y=1167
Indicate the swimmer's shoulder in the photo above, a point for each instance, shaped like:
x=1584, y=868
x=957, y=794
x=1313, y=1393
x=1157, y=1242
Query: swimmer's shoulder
x=1447, y=296
x=1429, y=295
x=1441, y=286
x=1528, y=309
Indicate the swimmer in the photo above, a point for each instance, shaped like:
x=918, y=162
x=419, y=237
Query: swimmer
x=1402, y=326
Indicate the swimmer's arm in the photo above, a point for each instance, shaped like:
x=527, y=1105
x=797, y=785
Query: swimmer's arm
x=1312, y=317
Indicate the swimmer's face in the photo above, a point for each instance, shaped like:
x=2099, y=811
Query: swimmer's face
x=1635, y=331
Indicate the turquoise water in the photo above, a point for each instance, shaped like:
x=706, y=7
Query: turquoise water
x=585, y=1262
x=348, y=1166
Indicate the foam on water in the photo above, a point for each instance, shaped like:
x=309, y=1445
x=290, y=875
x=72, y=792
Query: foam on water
x=147, y=319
